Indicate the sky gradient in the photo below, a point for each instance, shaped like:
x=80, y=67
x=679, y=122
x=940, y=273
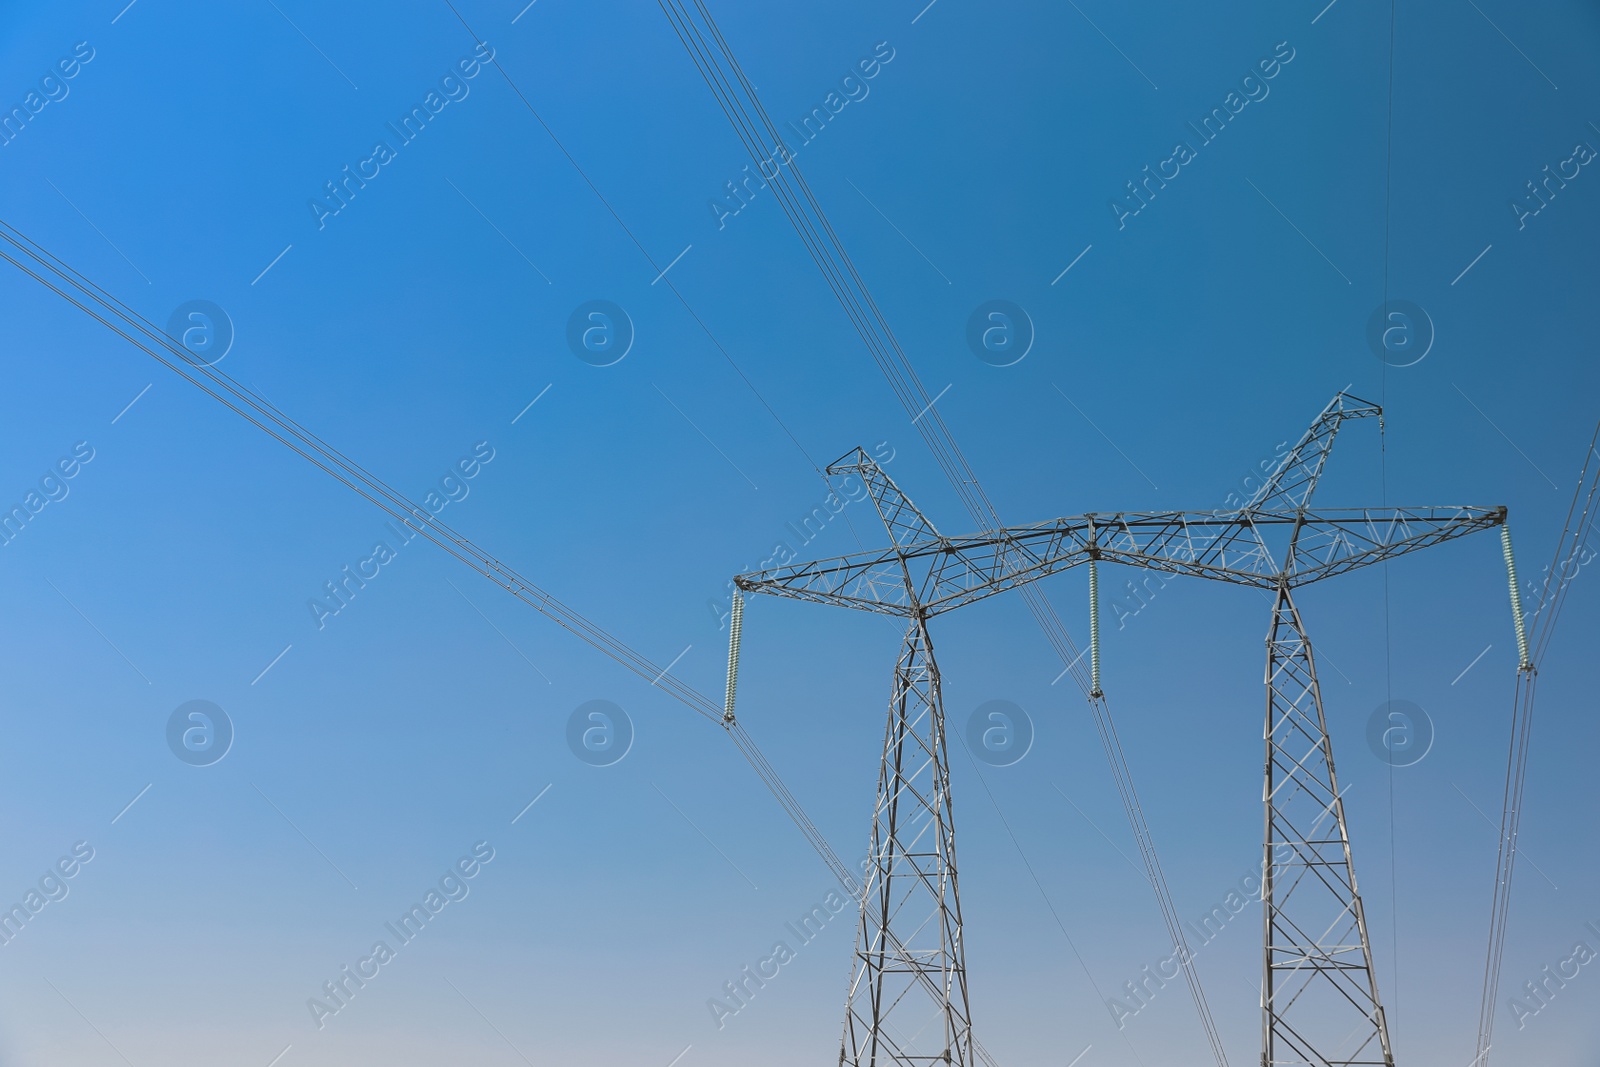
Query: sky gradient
x=424, y=328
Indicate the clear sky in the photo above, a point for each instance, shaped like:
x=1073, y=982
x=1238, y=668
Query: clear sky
x=374, y=749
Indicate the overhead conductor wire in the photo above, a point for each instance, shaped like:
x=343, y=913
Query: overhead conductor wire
x=71, y=286
x=661, y=276
x=741, y=739
x=1579, y=524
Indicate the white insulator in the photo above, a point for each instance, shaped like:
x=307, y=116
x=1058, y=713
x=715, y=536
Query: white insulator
x=1516, y=599
x=735, y=625
x=1094, y=630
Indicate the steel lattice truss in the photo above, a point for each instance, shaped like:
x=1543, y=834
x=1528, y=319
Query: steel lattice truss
x=1230, y=546
x=1320, y=1003
x=920, y=972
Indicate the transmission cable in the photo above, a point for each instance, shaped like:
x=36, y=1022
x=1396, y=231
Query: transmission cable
x=660, y=275
x=77, y=290
x=1574, y=533
x=742, y=740
x=256, y=410
x=67, y=283
x=138, y=331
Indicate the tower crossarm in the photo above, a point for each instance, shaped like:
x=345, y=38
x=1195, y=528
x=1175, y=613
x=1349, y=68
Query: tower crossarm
x=866, y=581
x=1228, y=546
x=947, y=572
x=1333, y=542
x=903, y=579
x=1239, y=547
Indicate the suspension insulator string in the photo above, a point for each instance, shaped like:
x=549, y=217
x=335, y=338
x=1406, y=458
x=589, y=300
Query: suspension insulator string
x=1094, y=632
x=735, y=625
x=1524, y=663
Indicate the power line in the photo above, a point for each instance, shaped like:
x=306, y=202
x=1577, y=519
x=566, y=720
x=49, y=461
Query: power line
x=658, y=272
x=95, y=302
x=77, y=290
x=1574, y=533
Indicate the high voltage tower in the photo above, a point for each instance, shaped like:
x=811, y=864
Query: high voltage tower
x=1322, y=968
x=1320, y=1003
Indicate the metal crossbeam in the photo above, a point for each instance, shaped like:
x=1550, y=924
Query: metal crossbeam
x=937, y=574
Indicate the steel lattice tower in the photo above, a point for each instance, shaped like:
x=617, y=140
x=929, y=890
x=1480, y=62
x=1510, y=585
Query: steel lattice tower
x=918, y=975
x=911, y=886
x=1320, y=1003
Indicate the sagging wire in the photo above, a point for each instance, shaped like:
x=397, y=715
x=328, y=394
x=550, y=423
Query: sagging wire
x=1548, y=609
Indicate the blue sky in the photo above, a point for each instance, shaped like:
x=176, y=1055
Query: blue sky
x=419, y=322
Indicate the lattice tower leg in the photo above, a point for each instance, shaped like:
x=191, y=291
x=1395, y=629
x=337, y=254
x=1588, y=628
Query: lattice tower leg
x=1320, y=991
x=907, y=1002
